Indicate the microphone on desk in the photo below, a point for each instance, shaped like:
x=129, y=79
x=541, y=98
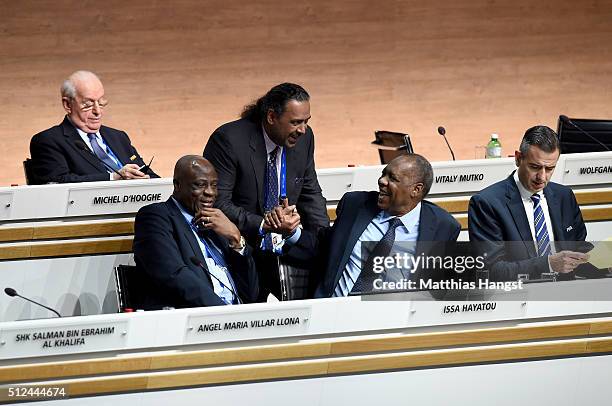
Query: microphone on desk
x=197, y=262
x=12, y=293
x=442, y=132
x=83, y=147
x=566, y=120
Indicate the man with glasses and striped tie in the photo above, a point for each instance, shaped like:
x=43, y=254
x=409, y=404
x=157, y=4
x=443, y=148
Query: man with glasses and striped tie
x=81, y=149
x=526, y=224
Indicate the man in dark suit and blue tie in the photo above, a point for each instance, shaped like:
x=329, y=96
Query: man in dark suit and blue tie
x=540, y=218
x=396, y=213
x=81, y=149
x=265, y=155
x=188, y=253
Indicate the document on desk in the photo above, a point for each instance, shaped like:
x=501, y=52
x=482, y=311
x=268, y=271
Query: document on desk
x=601, y=255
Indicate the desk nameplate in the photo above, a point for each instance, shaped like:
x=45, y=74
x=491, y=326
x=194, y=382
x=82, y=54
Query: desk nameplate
x=62, y=338
x=243, y=325
x=578, y=170
x=114, y=200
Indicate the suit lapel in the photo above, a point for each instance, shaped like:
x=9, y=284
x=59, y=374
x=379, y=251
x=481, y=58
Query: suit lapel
x=364, y=216
x=428, y=224
x=187, y=232
x=258, y=160
x=73, y=137
x=554, y=211
x=517, y=211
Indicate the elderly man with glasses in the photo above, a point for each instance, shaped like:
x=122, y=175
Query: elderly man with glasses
x=81, y=149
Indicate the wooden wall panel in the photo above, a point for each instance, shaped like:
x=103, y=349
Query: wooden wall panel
x=174, y=71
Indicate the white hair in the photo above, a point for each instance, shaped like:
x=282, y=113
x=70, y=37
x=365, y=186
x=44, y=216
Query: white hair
x=68, y=88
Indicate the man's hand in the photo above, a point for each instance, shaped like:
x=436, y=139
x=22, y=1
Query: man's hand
x=282, y=219
x=130, y=171
x=567, y=261
x=215, y=220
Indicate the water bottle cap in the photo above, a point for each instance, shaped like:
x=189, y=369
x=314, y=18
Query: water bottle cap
x=494, y=136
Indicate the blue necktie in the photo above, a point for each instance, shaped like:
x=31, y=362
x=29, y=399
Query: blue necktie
x=100, y=153
x=217, y=257
x=541, y=231
x=271, y=192
x=382, y=249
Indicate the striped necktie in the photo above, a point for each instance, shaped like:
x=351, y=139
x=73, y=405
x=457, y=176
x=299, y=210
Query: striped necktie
x=364, y=282
x=100, y=153
x=541, y=231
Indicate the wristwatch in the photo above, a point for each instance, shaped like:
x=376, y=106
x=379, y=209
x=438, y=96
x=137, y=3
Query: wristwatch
x=240, y=245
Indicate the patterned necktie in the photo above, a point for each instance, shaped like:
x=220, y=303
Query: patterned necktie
x=541, y=231
x=100, y=153
x=271, y=192
x=211, y=250
x=382, y=249
x=227, y=296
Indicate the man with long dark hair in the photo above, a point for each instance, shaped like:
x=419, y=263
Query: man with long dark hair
x=266, y=159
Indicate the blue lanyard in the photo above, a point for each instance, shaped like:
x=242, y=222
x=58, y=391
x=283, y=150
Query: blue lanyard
x=283, y=176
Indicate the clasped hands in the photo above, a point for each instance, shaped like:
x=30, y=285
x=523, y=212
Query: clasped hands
x=283, y=219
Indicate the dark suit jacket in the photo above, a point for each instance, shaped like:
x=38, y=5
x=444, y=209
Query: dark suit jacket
x=353, y=214
x=56, y=158
x=497, y=214
x=238, y=151
x=163, y=246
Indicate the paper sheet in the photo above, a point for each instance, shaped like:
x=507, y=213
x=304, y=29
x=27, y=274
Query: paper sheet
x=601, y=255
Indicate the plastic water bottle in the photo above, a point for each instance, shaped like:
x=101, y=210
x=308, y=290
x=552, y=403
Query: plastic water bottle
x=494, y=148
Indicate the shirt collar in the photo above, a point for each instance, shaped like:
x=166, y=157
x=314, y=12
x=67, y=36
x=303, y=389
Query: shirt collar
x=83, y=133
x=270, y=145
x=410, y=220
x=525, y=194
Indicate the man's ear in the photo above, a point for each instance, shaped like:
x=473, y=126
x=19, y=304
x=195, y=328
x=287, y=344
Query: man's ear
x=66, y=104
x=271, y=117
x=517, y=158
x=417, y=190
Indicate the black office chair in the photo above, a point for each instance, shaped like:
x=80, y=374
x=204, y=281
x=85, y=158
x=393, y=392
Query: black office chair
x=391, y=145
x=294, y=281
x=28, y=172
x=129, y=295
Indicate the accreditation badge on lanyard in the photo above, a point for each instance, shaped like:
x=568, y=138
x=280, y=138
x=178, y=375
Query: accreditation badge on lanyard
x=277, y=239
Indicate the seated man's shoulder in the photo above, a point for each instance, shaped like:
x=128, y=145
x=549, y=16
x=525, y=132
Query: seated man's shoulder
x=358, y=197
x=558, y=188
x=160, y=208
x=48, y=134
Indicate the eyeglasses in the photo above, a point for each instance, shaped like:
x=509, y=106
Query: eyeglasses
x=88, y=105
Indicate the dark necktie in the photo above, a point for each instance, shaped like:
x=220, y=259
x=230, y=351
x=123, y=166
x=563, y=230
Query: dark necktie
x=100, y=153
x=382, y=249
x=541, y=231
x=271, y=192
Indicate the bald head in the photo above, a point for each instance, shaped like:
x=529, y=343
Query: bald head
x=420, y=170
x=78, y=79
x=195, y=182
x=84, y=101
x=404, y=182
